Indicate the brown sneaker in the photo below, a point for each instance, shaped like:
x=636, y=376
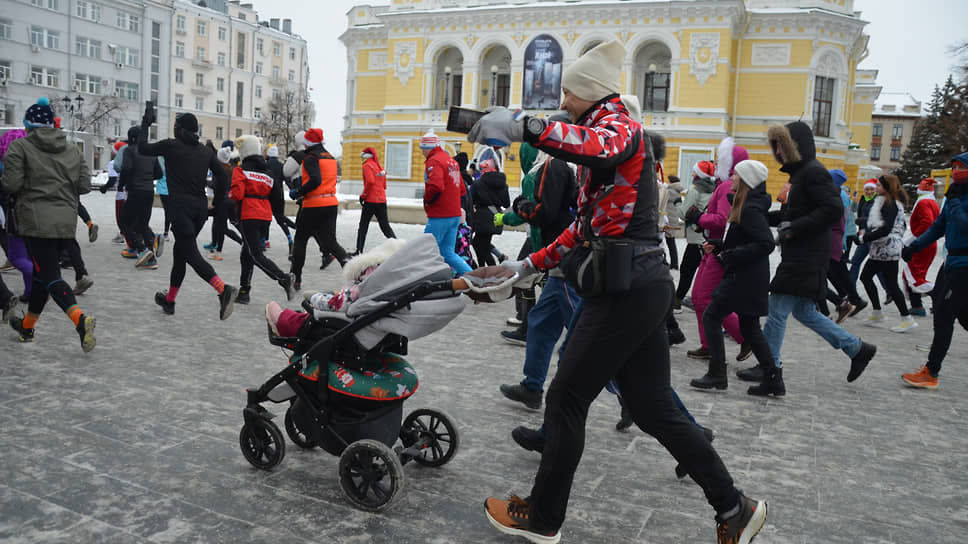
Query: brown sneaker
x=921, y=379
x=699, y=353
x=844, y=311
x=743, y=526
x=513, y=517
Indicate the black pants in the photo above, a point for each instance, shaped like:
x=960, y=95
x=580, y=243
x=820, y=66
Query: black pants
x=279, y=214
x=164, y=206
x=370, y=209
x=888, y=270
x=253, y=252
x=188, y=216
x=687, y=269
x=673, y=251
x=318, y=223
x=839, y=278
x=47, y=277
x=749, y=326
x=482, y=248
x=135, y=215
x=950, y=304
x=220, y=224
x=82, y=212
x=73, y=250
x=624, y=337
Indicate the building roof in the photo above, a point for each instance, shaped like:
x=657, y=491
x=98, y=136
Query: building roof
x=895, y=104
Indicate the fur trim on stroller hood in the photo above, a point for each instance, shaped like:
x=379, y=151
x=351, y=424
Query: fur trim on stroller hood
x=359, y=264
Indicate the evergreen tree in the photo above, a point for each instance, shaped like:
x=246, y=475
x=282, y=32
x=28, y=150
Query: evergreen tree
x=941, y=134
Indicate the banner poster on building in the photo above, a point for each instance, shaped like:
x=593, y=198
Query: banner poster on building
x=542, y=74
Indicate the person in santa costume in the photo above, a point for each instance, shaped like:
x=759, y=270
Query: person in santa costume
x=925, y=211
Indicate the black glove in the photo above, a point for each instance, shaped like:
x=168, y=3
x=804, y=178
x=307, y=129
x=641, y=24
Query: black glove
x=907, y=253
x=717, y=245
x=784, y=232
x=693, y=214
x=149, y=117
x=956, y=190
x=523, y=207
x=362, y=201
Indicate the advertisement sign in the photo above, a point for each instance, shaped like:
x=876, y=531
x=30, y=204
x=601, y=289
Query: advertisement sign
x=542, y=74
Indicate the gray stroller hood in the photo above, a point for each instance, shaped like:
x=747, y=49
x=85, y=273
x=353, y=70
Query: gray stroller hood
x=416, y=262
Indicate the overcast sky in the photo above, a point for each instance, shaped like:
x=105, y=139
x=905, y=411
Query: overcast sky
x=908, y=46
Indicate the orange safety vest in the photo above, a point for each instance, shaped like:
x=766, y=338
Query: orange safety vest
x=325, y=194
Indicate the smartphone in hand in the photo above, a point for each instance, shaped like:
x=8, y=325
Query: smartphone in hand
x=462, y=119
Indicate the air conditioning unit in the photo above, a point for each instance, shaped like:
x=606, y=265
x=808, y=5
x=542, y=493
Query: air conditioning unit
x=3, y=82
x=75, y=88
x=118, y=65
x=34, y=48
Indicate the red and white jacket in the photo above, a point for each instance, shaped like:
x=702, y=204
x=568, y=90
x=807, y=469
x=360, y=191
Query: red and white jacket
x=251, y=189
x=612, y=153
x=374, y=182
x=444, y=186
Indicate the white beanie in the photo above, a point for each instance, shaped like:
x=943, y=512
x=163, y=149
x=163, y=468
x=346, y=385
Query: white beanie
x=753, y=173
x=224, y=154
x=300, y=139
x=597, y=73
x=429, y=140
x=632, y=104
x=273, y=151
x=248, y=146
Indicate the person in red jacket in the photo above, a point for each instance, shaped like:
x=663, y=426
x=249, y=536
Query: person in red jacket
x=442, y=193
x=251, y=189
x=925, y=211
x=373, y=198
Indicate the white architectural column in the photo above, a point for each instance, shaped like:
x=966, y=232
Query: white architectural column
x=472, y=72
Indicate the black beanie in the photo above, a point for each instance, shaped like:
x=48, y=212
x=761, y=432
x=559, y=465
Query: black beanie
x=187, y=121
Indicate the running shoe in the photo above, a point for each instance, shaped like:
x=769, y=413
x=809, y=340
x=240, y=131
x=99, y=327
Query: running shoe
x=844, y=311
x=161, y=299
x=923, y=347
x=129, y=253
x=83, y=285
x=699, y=353
x=859, y=362
x=144, y=258
x=17, y=324
x=745, y=350
x=209, y=247
x=744, y=525
x=513, y=321
x=515, y=337
x=226, y=300
x=921, y=379
x=919, y=312
x=907, y=324
x=513, y=517
x=858, y=306
x=875, y=318
x=85, y=329
x=159, y=245
x=118, y=239
x=92, y=233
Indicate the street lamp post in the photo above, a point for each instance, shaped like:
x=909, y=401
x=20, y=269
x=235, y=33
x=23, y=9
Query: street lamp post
x=73, y=109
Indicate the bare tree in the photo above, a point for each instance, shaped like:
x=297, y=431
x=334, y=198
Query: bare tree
x=99, y=112
x=288, y=114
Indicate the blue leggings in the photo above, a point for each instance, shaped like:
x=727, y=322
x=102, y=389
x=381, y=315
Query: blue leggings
x=444, y=230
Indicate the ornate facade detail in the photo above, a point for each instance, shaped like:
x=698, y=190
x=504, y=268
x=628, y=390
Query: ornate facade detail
x=829, y=65
x=771, y=54
x=470, y=40
x=703, y=55
x=571, y=36
x=519, y=38
x=404, y=60
x=378, y=61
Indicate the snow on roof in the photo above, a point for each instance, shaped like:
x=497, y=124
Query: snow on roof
x=898, y=104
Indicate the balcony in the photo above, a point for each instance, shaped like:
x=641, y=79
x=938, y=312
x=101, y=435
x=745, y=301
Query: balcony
x=277, y=82
x=204, y=64
x=202, y=89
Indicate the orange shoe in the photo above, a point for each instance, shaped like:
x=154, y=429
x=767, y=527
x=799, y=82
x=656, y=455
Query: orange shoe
x=513, y=517
x=922, y=379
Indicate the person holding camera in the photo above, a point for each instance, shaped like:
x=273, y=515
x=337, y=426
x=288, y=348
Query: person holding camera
x=187, y=163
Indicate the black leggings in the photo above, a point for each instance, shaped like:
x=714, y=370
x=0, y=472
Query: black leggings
x=687, y=269
x=220, y=225
x=188, y=216
x=673, y=252
x=371, y=209
x=950, y=304
x=319, y=223
x=839, y=278
x=279, y=214
x=749, y=326
x=135, y=215
x=888, y=271
x=621, y=336
x=47, y=276
x=73, y=250
x=482, y=248
x=164, y=206
x=82, y=212
x=253, y=252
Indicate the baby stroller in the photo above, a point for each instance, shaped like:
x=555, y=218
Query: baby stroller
x=347, y=380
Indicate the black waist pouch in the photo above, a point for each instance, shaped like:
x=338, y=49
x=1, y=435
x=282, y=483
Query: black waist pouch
x=602, y=266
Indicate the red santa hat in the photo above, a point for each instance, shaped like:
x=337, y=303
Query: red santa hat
x=314, y=136
x=927, y=184
x=119, y=145
x=871, y=183
x=705, y=170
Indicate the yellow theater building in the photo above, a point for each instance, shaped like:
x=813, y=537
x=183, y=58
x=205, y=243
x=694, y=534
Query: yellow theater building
x=701, y=69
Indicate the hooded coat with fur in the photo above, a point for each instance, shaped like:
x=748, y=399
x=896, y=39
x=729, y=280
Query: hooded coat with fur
x=813, y=207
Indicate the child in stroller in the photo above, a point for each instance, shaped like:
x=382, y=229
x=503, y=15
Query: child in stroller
x=346, y=380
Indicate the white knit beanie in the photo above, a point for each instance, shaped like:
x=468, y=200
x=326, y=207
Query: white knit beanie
x=753, y=173
x=597, y=73
x=632, y=104
x=248, y=145
x=429, y=140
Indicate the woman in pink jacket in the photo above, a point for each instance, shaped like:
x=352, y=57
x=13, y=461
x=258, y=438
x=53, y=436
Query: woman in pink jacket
x=710, y=273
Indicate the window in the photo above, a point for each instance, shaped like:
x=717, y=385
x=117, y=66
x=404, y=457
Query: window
x=48, y=4
x=292, y=53
x=179, y=75
x=257, y=113
x=200, y=53
x=259, y=46
x=201, y=28
x=275, y=72
x=220, y=84
x=823, y=100
x=275, y=94
x=180, y=23
x=656, y=91
x=199, y=103
x=180, y=49
x=6, y=28
x=127, y=56
x=875, y=152
x=86, y=47
x=276, y=49
x=87, y=10
x=258, y=91
x=219, y=133
x=398, y=159
x=219, y=106
x=220, y=58
x=239, y=96
x=155, y=79
x=292, y=75
x=221, y=35
x=43, y=37
x=898, y=131
x=84, y=83
x=5, y=72
x=877, y=130
x=238, y=132
x=199, y=80
x=240, y=56
x=45, y=77
x=129, y=21
x=895, y=152
x=258, y=67
x=126, y=90
x=179, y=101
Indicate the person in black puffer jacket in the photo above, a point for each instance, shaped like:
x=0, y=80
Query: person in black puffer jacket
x=804, y=224
x=489, y=196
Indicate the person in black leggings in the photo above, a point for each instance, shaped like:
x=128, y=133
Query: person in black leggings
x=187, y=163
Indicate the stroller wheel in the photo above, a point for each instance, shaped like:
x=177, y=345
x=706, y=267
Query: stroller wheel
x=298, y=437
x=434, y=432
x=370, y=475
x=262, y=443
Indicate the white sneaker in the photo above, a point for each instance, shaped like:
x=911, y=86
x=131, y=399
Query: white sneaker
x=875, y=318
x=907, y=324
x=513, y=321
x=923, y=347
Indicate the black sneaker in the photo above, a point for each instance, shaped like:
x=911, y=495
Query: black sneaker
x=710, y=436
x=520, y=393
x=9, y=306
x=243, y=296
x=676, y=337
x=858, y=306
x=26, y=335
x=85, y=329
x=226, y=300
x=529, y=439
x=327, y=260
x=752, y=374
x=744, y=525
x=859, y=362
x=515, y=337
x=745, y=350
x=625, y=421
x=161, y=299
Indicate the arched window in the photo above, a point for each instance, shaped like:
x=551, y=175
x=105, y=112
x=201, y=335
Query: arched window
x=829, y=69
x=496, y=72
x=449, y=78
x=653, y=76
